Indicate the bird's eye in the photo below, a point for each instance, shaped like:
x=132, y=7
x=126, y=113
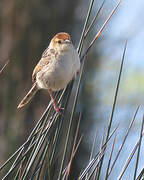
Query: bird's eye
x=59, y=41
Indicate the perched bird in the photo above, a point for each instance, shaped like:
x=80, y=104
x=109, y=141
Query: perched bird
x=58, y=65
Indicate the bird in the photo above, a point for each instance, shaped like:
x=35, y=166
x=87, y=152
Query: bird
x=58, y=65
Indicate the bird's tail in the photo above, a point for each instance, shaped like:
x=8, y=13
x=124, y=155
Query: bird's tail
x=29, y=96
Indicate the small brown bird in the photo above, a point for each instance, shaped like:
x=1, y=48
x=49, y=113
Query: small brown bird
x=58, y=65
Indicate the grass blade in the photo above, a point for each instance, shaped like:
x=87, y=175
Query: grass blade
x=83, y=174
x=73, y=149
x=129, y=159
x=94, y=19
x=140, y=175
x=92, y=150
x=115, y=99
x=1, y=71
x=71, y=118
x=100, y=157
x=122, y=144
x=100, y=31
x=138, y=153
x=80, y=45
x=111, y=153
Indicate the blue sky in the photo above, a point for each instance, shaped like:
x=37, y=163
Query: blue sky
x=127, y=23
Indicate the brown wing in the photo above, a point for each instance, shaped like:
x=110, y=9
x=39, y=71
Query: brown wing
x=46, y=58
x=35, y=71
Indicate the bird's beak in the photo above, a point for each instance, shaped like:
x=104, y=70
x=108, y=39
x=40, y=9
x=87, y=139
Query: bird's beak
x=67, y=41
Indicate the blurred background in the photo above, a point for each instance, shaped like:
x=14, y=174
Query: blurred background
x=26, y=28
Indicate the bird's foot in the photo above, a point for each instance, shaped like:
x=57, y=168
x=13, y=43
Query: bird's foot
x=59, y=110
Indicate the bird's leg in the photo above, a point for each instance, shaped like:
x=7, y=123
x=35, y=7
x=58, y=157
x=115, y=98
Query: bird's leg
x=57, y=109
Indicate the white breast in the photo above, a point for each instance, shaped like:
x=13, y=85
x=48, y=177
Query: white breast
x=59, y=72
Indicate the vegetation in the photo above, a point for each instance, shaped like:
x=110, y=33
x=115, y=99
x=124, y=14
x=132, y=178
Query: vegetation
x=50, y=149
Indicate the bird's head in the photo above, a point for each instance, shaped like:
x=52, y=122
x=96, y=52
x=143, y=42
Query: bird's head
x=61, y=42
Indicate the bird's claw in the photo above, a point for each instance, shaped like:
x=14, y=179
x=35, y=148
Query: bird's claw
x=58, y=110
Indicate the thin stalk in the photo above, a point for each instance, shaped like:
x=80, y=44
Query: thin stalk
x=122, y=144
x=23, y=156
x=19, y=149
x=91, y=44
x=140, y=175
x=61, y=120
x=44, y=134
x=92, y=150
x=31, y=138
x=97, y=165
x=100, y=31
x=80, y=45
x=70, y=123
x=20, y=159
x=79, y=49
x=35, y=151
x=138, y=153
x=73, y=148
x=55, y=141
x=65, y=170
x=101, y=145
x=40, y=162
x=20, y=168
x=46, y=113
x=95, y=158
x=115, y=100
x=94, y=19
x=111, y=153
x=129, y=159
x=64, y=173
x=17, y=158
x=1, y=71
